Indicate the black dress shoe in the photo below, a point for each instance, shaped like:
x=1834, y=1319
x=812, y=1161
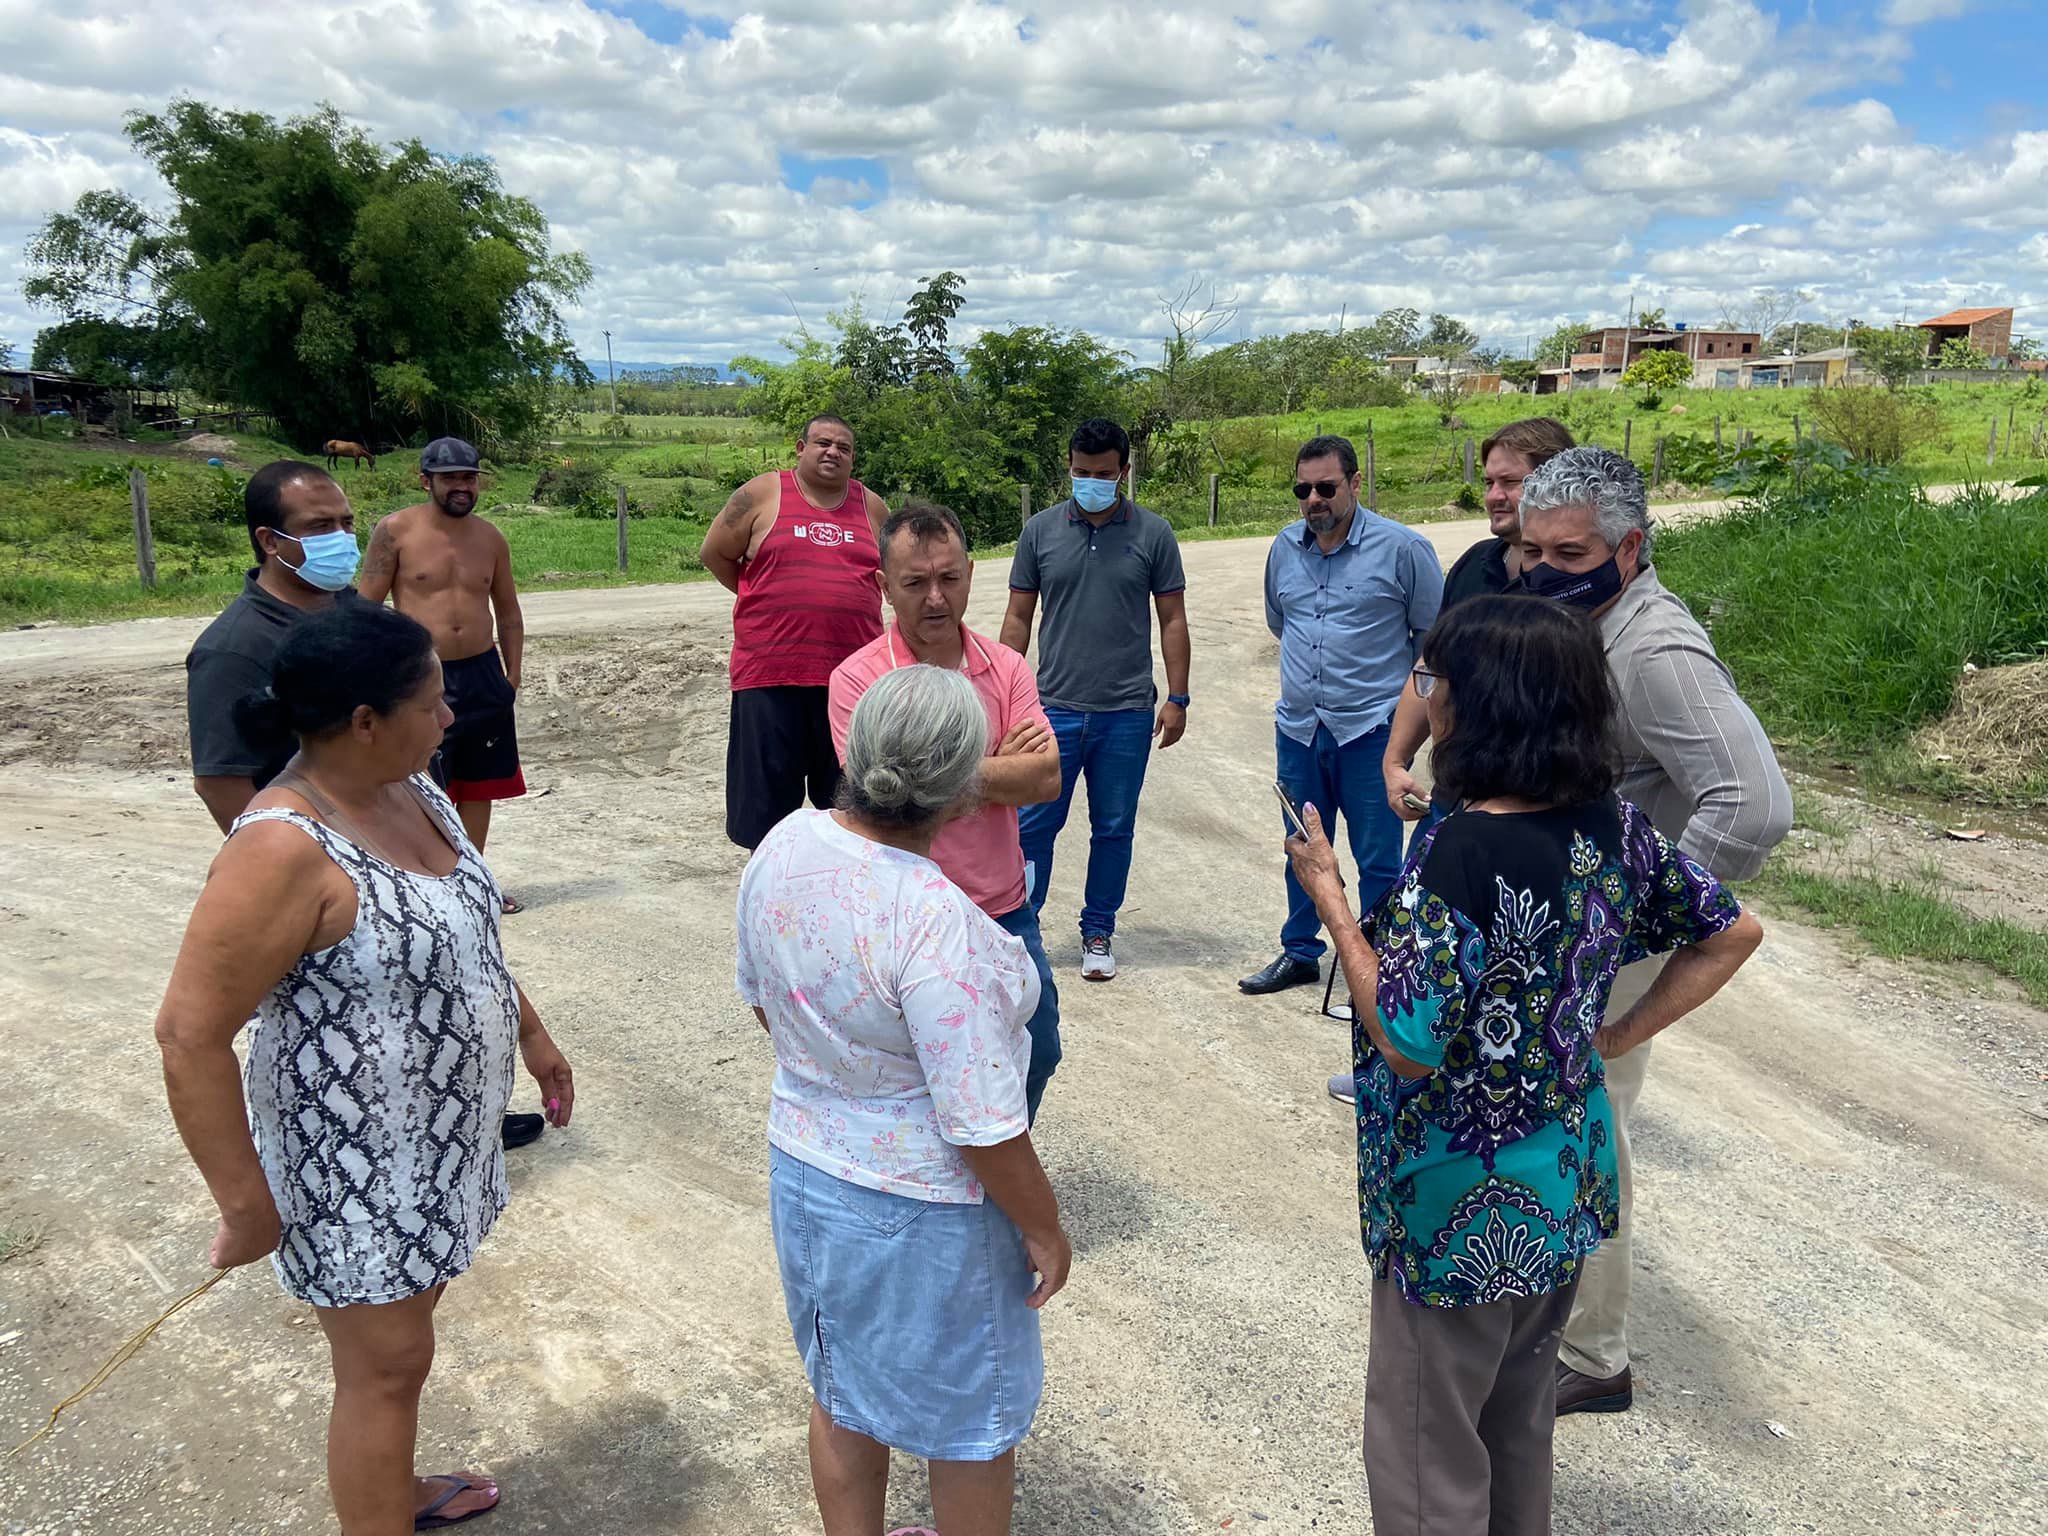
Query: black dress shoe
x=1590, y=1394
x=518, y=1130
x=1280, y=975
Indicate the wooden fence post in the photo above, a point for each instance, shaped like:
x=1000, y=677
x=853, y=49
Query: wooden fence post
x=1991, y=448
x=2037, y=439
x=1468, y=460
x=1131, y=489
x=1372, y=476
x=1628, y=432
x=1215, y=481
x=1657, y=473
x=622, y=527
x=145, y=544
x=1023, y=508
x=1717, y=434
x=1795, y=429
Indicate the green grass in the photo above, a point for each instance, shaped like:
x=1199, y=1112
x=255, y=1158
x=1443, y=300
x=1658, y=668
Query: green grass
x=1420, y=461
x=66, y=550
x=1910, y=920
x=67, y=531
x=1847, y=609
x=18, y=1240
x=741, y=431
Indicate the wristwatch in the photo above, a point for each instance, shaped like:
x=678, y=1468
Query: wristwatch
x=1179, y=698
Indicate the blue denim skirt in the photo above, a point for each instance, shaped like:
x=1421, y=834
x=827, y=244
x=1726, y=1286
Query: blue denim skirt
x=910, y=1315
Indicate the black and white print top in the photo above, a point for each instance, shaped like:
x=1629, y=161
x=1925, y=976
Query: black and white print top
x=378, y=1072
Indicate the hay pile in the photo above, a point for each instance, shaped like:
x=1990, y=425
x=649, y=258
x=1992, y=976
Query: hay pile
x=1996, y=732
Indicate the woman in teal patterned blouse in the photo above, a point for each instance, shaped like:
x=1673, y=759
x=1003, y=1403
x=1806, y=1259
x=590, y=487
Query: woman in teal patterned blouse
x=1485, y=1160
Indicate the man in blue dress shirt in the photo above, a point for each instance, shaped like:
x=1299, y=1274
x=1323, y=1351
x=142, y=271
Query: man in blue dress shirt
x=1349, y=594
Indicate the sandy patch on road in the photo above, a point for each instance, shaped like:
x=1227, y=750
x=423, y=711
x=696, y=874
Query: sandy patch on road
x=1843, y=1190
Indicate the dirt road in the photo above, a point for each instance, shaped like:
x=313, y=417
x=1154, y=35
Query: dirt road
x=1843, y=1203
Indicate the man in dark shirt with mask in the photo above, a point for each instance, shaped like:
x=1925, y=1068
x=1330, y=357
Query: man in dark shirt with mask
x=303, y=533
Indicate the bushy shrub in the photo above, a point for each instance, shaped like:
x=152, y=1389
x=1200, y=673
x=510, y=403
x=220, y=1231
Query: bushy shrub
x=578, y=484
x=1878, y=426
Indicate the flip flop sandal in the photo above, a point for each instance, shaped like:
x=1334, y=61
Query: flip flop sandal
x=511, y=907
x=429, y=1519
x=914, y=1530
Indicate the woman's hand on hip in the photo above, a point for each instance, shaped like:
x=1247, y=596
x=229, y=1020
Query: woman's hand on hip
x=245, y=1237
x=550, y=1069
x=1052, y=1256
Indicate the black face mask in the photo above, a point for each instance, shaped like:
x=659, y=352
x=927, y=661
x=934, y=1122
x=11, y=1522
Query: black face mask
x=1575, y=589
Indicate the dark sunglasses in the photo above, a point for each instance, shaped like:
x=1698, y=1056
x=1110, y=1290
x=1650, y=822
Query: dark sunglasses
x=1323, y=488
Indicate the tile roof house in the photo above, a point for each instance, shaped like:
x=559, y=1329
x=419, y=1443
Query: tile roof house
x=1988, y=330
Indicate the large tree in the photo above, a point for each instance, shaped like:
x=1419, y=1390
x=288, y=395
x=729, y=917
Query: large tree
x=304, y=270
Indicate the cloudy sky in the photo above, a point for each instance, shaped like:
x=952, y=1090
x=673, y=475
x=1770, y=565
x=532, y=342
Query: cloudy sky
x=730, y=169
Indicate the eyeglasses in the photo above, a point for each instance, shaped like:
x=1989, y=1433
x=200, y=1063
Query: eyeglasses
x=1323, y=488
x=1425, y=682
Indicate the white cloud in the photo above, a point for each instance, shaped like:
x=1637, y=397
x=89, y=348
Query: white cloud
x=1913, y=13
x=1076, y=160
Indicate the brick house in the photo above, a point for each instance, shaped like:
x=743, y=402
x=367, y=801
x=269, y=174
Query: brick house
x=1603, y=348
x=1988, y=330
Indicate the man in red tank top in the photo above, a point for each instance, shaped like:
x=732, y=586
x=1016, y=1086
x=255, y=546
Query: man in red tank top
x=799, y=548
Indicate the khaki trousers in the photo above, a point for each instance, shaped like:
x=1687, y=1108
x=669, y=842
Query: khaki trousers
x=1460, y=1403
x=1596, y=1338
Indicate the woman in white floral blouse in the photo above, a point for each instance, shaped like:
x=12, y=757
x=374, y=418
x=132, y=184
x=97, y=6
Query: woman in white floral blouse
x=916, y=1231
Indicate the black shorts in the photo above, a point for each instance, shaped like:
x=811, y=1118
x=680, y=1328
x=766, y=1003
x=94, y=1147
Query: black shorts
x=780, y=743
x=479, y=758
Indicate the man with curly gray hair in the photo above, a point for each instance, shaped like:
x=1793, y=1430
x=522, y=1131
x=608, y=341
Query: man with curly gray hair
x=1693, y=757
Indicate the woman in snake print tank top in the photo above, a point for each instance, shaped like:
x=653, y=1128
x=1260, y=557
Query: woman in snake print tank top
x=348, y=913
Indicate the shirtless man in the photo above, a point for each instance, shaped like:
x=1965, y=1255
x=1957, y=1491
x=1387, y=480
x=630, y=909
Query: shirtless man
x=453, y=573
x=801, y=549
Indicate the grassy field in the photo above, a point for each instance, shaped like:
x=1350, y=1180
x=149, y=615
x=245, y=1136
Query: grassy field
x=66, y=529
x=1420, y=460
x=66, y=545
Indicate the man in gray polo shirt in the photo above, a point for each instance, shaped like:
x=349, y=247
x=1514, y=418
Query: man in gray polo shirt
x=1104, y=565
x=1693, y=756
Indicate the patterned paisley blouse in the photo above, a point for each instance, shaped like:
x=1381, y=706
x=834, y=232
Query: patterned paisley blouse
x=1494, y=1176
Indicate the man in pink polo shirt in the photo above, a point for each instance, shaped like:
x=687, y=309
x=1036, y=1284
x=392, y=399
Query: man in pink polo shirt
x=925, y=577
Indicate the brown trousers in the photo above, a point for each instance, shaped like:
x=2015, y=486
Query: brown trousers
x=1459, y=1407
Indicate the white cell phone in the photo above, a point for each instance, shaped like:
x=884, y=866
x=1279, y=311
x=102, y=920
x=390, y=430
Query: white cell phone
x=1293, y=811
x=1415, y=802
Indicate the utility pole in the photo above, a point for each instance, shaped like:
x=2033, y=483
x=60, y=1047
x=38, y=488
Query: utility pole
x=611, y=374
x=1627, y=331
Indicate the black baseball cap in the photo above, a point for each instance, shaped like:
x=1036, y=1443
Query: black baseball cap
x=448, y=455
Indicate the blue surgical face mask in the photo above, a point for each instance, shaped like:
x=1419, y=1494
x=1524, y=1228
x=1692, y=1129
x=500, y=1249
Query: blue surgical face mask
x=329, y=560
x=1096, y=495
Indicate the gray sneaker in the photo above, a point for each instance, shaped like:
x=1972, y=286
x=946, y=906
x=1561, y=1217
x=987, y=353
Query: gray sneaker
x=1098, y=960
x=1343, y=1087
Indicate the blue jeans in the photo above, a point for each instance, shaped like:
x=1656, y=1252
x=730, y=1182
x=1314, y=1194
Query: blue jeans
x=1045, y=1023
x=1112, y=748
x=1344, y=782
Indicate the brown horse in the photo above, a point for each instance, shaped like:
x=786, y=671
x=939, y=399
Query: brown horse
x=338, y=449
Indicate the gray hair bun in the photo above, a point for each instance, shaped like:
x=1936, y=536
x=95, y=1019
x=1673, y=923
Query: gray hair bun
x=884, y=788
